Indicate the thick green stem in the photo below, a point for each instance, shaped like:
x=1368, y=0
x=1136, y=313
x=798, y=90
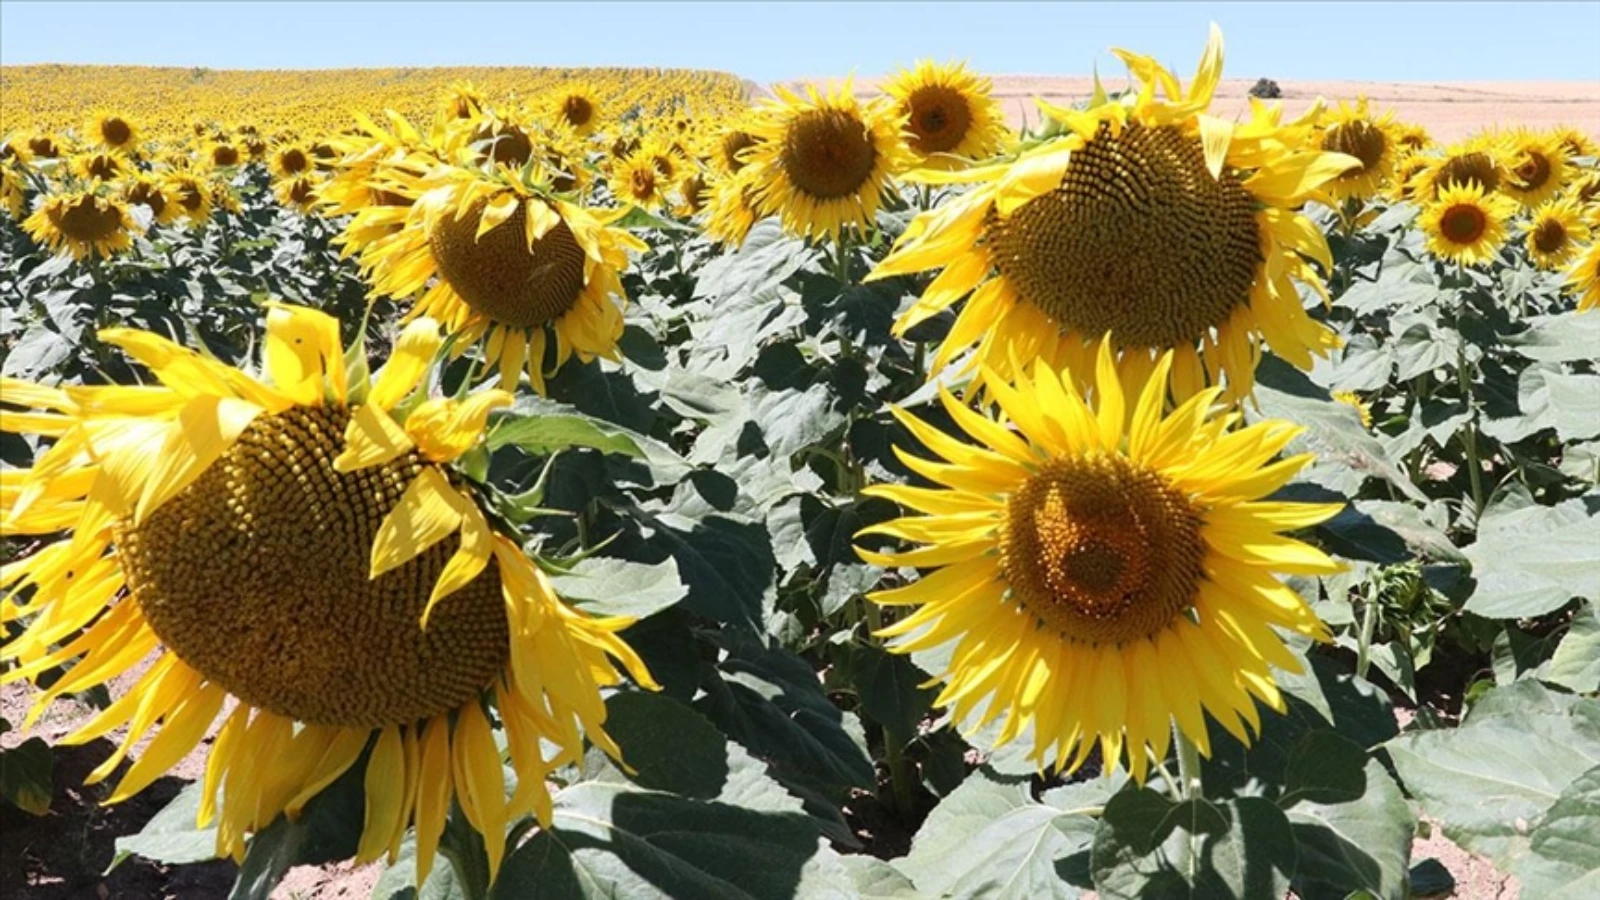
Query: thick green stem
x=894, y=754
x=1369, y=620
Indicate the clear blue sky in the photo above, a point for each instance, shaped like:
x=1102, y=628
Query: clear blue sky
x=1438, y=41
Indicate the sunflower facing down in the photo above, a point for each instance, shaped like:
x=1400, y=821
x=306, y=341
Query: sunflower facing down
x=1465, y=224
x=951, y=117
x=192, y=195
x=83, y=224
x=1553, y=233
x=1102, y=569
x=303, y=547
x=509, y=263
x=732, y=211
x=1353, y=131
x=1158, y=223
x=823, y=161
x=147, y=192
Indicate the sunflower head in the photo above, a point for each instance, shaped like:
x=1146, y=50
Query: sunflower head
x=464, y=101
x=733, y=210
x=517, y=264
x=1354, y=401
x=576, y=106
x=1147, y=219
x=1477, y=162
x=192, y=195
x=824, y=161
x=691, y=191
x=111, y=131
x=82, y=223
x=951, y=117
x=1354, y=132
x=1537, y=168
x=222, y=155
x=149, y=193
x=1408, y=177
x=370, y=601
x=1102, y=567
x=291, y=161
x=638, y=181
x=1583, y=277
x=12, y=198
x=1554, y=232
x=1466, y=224
x=298, y=193
x=100, y=166
x=1575, y=142
x=731, y=147
x=44, y=146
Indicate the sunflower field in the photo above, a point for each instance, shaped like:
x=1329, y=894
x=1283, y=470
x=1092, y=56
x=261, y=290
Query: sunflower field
x=627, y=483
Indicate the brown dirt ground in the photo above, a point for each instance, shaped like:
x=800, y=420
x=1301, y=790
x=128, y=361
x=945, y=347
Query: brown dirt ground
x=1450, y=110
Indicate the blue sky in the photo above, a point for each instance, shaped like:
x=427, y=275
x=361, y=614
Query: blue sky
x=772, y=41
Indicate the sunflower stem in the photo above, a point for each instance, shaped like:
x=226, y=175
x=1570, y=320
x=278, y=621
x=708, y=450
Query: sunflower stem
x=1369, y=621
x=1160, y=765
x=1188, y=766
x=894, y=756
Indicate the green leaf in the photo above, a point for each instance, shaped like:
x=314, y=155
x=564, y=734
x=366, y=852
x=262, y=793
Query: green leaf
x=1563, y=862
x=1490, y=779
x=614, y=840
x=608, y=586
x=638, y=217
x=1148, y=846
x=1324, y=767
x=26, y=776
x=1569, y=404
x=1430, y=878
x=887, y=686
x=1363, y=844
x=874, y=879
x=989, y=839
x=544, y=434
x=1532, y=560
x=726, y=562
x=171, y=836
x=1570, y=337
x=1576, y=662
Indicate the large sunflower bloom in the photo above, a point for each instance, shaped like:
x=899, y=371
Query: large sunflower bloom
x=1553, y=233
x=823, y=161
x=518, y=266
x=1465, y=224
x=83, y=224
x=951, y=117
x=1102, y=569
x=1154, y=221
x=302, y=547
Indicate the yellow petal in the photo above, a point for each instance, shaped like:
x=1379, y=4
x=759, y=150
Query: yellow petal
x=444, y=429
x=426, y=514
x=371, y=439
x=413, y=353
x=207, y=427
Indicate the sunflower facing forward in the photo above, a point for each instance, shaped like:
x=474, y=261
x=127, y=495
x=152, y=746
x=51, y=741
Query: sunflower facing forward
x=303, y=547
x=1153, y=221
x=516, y=264
x=1554, y=232
x=82, y=223
x=111, y=131
x=951, y=117
x=1466, y=224
x=1102, y=569
x=823, y=161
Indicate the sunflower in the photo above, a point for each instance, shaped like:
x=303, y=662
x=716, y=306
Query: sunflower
x=12, y=198
x=731, y=146
x=951, y=117
x=1158, y=223
x=147, y=192
x=733, y=211
x=1408, y=174
x=222, y=155
x=1583, y=278
x=825, y=160
x=1353, y=131
x=513, y=263
x=304, y=548
x=1102, y=569
x=43, y=146
x=298, y=193
x=290, y=161
x=1354, y=401
x=1575, y=141
x=111, y=131
x=636, y=180
x=691, y=191
x=99, y=166
x=1465, y=224
x=83, y=224
x=464, y=101
x=1553, y=233
x=192, y=195
x=1411, y=138
x=1537, y=168
x=1478, y=161
x=576, y=106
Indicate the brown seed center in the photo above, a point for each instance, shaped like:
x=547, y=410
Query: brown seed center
x=87, y=219
x=1463, y=223
x=828, y=153
x=938, y=119
x=499, y=276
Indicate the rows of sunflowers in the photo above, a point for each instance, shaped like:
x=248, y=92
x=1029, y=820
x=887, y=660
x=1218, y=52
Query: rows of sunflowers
x=600, y=484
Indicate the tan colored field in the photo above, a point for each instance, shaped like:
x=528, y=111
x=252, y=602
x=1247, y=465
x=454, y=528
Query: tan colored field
x=1449, y=110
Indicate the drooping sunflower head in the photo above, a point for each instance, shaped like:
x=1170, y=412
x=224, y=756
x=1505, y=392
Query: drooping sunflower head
x=734, y=140
x=1102, y=568
x=44, y=146
x=1166, y=227
x=1408, y=176
x=1354, y=401
x=518, y=265
x=298, y=193
x=691, y=194
x=111, y=131
x=100, y=166
x=145, y=191
x=637, y=180
x=1478, y=161
x=1554, y=232
x=1537, y=167
x=291, y=161
x=1353, y=131
x=951, y=117
x=1583, y=277
x=82, y=223
x=1411, y=138
x=824, y=161
x=464, y=100
x=733, y=210
x=1575, y=142
x=577, y=106
x=13, y=200
x=368, y=599
x=1466, y=224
